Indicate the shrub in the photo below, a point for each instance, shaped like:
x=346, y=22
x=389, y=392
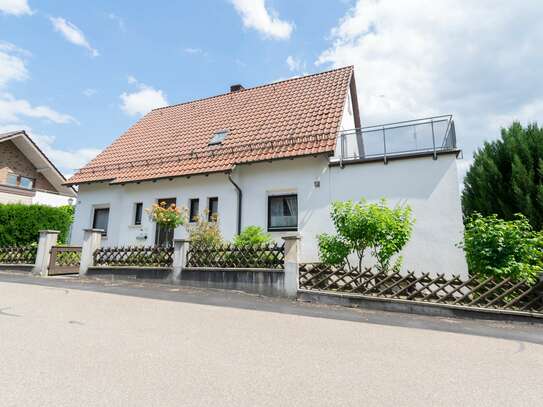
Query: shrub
x=20, y=224
x=252, y=236
x=366, y=227
x=499, y=248
x=203, y=232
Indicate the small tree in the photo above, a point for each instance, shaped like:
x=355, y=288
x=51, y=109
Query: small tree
x=503, y=249
x=252, y=236
x=366, y=228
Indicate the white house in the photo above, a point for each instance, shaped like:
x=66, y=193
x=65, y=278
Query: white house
x=276, y=156
x=27, y=176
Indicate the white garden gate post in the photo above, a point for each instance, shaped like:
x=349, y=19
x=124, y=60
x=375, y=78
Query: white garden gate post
x=292, y=264
x=180, y=249
x=92, y=240
x=47, y=239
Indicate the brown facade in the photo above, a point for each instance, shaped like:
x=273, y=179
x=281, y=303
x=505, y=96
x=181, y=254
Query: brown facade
x=12, y=160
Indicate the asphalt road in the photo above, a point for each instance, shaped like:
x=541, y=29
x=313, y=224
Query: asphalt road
x=69, y=343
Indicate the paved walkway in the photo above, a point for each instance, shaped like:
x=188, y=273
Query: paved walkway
x=70, y=343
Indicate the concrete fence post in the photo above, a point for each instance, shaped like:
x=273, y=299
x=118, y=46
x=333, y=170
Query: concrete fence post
x=47, y=239
x=180, y=249
x=292, y=264
x=92, y=240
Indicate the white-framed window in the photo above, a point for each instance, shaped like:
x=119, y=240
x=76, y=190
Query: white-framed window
x=282, y=212
x=212, y=208
x=138, y=213
x=194, y=209
x=100, y=218
x=20, y=181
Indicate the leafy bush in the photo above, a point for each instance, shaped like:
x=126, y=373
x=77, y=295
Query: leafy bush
x=502, y=249
x=366, y=227
x=203, y=232
x=20, y=224
x=252, y=236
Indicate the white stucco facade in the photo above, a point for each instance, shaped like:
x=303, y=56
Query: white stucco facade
x=429, y=186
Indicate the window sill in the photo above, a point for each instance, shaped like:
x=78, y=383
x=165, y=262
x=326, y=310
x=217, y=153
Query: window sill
x=283, y=230
x=134, y=226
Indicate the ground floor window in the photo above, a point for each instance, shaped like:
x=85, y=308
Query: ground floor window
x=213, y=209
x=194, y=209
x=283, y=212
x=138, y=212
x=100, y=219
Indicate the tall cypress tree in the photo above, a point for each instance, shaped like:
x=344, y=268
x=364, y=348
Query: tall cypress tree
x=507, y=176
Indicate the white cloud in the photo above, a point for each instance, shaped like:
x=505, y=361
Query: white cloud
x=89, y=92
x=295, y=64
x=15, y=7
x=143, y=100
x=255, y=15
x=189, y=50
x=12, y=63
x=118, y=20
x=72, y=34
x=12, y=108
x=479, y=60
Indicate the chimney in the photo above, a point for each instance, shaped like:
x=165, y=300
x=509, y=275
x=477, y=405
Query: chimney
x=236, y=87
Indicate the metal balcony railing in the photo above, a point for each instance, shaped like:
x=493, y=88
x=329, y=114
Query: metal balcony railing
x=408, y=138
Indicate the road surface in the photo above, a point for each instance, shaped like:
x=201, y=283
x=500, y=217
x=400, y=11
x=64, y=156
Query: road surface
x=69, y=343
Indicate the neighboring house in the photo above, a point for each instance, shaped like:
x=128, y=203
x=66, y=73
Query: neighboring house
x=26, y=174
x=276, y=156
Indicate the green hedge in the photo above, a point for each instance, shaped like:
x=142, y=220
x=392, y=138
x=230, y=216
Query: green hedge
x=20, y=224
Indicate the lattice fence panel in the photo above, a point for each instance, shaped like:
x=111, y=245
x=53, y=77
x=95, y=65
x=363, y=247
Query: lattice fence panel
x=491, y=293
x=142, y=256
x=18, y=254
x=230, y=256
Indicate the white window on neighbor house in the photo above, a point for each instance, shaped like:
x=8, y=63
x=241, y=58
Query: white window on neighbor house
x=138, y=213
x=20, y=181
x=282, y=212
x=100, y=219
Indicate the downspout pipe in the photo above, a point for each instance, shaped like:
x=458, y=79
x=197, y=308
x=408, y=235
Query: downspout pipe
x=240, y=197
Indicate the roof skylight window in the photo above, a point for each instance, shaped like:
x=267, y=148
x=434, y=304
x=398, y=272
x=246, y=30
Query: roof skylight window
x=218, y=137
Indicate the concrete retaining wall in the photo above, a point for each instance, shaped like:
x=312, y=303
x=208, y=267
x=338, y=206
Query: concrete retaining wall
x=412, y=307
x=258, y=281
x=17, y=267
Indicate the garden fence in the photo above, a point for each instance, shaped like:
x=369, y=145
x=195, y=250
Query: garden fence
x=146, y=256
x=268, y=256
x=18, y=254
x=488, y=293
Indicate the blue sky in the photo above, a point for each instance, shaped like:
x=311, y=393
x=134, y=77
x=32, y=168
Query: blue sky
x=78, y=74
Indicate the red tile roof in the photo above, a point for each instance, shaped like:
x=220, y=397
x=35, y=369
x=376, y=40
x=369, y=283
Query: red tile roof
x=291, y=118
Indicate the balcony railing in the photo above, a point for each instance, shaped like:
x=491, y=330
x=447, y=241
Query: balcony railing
x=408, y=138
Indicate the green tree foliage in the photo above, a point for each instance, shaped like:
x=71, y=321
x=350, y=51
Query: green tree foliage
x=507, y=176
x=20, y=224
x=500, y=248
x=366, y=228
x=252, y=236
